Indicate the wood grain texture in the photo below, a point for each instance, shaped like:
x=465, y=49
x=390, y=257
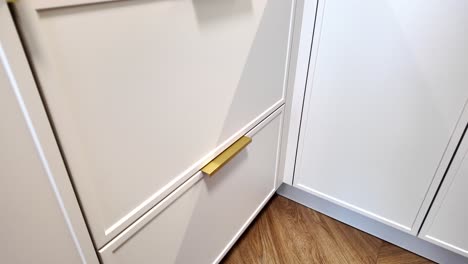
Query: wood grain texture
x=390, y=254
x=287, y=232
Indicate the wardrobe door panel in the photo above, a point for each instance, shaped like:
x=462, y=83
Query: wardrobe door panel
x=386, y=87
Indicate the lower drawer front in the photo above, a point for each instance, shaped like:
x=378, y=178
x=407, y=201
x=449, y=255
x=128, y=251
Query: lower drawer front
x=201, y=220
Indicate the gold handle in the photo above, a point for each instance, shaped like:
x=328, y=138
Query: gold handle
x=217, y=163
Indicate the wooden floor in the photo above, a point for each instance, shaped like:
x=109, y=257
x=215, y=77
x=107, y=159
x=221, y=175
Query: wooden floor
x=287, y=232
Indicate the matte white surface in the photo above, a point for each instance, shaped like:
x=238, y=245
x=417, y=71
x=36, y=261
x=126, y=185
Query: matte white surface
x=201, y=220
x=299, y=67
x=33, y=228
x=41, y=221
x=447, y=222
x=443, y=165
x=386, y=88
x=294, y=33
x=144, y=93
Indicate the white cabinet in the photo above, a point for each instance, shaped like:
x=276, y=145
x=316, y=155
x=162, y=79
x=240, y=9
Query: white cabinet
x=144, y=93
x=40, y=218
x=387, y=85
x=447, y=222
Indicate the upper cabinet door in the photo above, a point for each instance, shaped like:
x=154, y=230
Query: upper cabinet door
x=387, y=85
x=144, y=93
x=447, y=222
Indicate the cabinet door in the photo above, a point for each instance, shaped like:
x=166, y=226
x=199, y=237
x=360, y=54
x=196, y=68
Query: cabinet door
x=387, y=85
x=40, y=219
x=447, y=222
x=144, y=93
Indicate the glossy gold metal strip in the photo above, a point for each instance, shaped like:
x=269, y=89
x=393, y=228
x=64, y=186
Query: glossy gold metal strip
x=217, y=163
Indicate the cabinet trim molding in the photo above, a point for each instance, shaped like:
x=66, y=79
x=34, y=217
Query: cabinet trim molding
x=304, y=32
x=49, y=4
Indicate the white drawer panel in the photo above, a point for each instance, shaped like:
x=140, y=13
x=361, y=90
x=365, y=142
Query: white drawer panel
x=200, y=221
x=144, y=93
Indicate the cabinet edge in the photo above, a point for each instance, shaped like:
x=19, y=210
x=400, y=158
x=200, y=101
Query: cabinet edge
x=14, y=59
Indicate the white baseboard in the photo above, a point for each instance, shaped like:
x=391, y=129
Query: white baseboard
x=373, y=227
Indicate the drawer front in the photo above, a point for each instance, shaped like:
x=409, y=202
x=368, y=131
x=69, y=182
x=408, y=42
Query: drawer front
x=202, y=219
x=144, y=93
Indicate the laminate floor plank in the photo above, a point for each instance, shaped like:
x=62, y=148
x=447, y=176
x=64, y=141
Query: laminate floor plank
x=390, y=254
x=287, y=232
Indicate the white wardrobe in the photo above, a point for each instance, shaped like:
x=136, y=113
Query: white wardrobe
x=155, y=131
x=384, y=111
x=142, y=95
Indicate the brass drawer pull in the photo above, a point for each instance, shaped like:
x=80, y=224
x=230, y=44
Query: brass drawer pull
x=217, y=163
